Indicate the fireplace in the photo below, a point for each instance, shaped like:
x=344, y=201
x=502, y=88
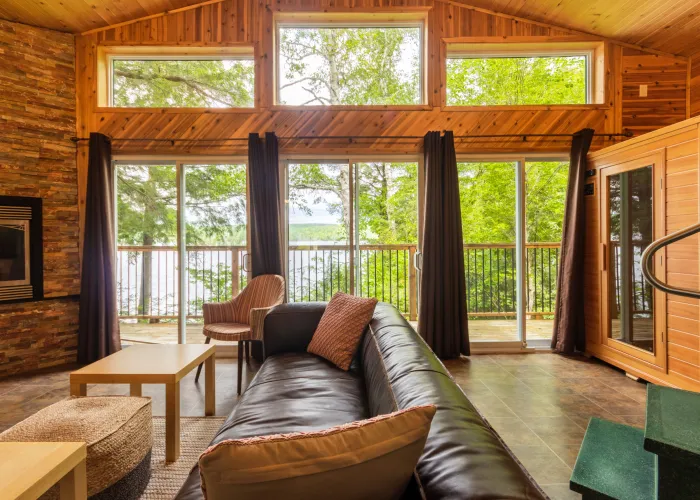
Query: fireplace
x=21, y=252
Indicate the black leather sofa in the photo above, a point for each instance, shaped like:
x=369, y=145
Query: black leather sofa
x=394, y=369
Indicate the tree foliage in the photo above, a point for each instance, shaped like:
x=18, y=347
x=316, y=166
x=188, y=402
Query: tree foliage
x=516, y=80
x=183, y=84
x=362, y=66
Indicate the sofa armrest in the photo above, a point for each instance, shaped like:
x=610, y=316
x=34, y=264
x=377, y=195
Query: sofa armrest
x=289, y=327
x=257, y=321
x=221, y=312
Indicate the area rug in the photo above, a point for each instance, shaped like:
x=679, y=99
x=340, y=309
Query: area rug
x=167, y=478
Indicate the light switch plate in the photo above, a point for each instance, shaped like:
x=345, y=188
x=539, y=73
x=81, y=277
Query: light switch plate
x=643, y=90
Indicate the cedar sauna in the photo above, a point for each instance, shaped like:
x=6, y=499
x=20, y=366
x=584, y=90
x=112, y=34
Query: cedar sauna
x=637, y=192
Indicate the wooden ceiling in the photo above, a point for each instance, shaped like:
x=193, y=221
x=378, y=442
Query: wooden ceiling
x=671, y=26
x=77, y=16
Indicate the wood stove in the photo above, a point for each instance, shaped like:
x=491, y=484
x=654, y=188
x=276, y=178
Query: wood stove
x=21, y=249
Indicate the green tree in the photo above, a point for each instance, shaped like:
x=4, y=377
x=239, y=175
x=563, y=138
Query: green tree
x=516, y=80
x=350, y=65
x=187, y=83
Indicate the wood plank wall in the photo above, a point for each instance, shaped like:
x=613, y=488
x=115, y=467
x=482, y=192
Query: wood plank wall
x=679, y=147
x=667, y=86
x=37, y=158
x=251, y=22
x=694, y=84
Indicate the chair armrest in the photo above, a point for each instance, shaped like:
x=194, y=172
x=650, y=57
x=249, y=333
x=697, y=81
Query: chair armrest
x=257, y=321
x=289, y=327
x=221, y=312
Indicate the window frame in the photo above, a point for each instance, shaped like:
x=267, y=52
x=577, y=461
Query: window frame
x=593, y=49
x=107, y=54
x=406, y=17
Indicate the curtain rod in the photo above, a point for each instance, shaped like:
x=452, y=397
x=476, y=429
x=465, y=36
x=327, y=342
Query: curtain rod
x=350, y=138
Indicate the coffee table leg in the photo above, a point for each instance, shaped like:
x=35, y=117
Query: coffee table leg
x=135, y=390
x=73, y=486
x=78, y=389
x=172, y=421
x=209, y=386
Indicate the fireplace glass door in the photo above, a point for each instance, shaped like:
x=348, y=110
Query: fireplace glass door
x=14, y=252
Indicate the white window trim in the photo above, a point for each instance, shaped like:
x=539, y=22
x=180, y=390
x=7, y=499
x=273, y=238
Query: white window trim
x=107, y=54
x=420, y=23
x=515, y=54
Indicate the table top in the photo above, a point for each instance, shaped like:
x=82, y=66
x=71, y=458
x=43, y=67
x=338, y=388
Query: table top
x=155, y=364
x=28, y=470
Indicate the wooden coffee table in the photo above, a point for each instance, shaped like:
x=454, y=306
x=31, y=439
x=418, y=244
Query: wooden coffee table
x=154, y=364
x=28, y=470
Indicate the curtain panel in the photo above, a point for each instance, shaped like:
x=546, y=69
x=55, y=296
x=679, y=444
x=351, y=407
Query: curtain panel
x=569, y=334
x=98, y=334
x=442, y=320
x=264, y=181
x=263, y=168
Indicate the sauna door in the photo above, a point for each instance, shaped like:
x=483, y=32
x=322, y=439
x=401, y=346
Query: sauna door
x=633, y=211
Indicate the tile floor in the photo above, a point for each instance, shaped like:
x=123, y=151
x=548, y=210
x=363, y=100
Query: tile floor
x=539, y=403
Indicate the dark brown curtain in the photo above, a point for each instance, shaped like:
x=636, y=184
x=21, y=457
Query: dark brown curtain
x=442, y=319
x=569, y=333
x=263, y=171
x=98, y=334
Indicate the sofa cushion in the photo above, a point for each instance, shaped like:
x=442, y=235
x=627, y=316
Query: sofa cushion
x=371, y=458
x=293, y=392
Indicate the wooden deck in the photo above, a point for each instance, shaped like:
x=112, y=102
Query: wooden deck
x=479, y=330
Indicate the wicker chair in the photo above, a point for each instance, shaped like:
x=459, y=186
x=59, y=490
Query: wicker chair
x=241, y=318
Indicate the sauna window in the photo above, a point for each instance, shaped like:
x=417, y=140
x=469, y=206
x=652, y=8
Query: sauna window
x=518, y=78
x=178, y=81
x=353, y=65
x=630, y=198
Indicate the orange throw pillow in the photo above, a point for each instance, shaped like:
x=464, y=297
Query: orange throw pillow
x=372, y=458
x=339, y=333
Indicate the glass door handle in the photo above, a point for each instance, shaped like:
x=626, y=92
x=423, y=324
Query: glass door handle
x=418, y=259
x=245, y=262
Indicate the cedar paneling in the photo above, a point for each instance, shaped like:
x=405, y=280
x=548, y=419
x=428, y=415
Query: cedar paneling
x=682, y=268
x=666, y=79
x=248, y=21
x=694, y=91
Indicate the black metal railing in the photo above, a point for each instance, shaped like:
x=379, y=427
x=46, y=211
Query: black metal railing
x=316, y=272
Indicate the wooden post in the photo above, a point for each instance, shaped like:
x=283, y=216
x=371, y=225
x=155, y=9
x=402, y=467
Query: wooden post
x=412, y=285
x=235, y=277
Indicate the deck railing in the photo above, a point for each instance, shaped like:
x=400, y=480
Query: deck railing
x=147, y=277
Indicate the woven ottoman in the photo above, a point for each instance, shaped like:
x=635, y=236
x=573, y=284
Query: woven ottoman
x=118, y=431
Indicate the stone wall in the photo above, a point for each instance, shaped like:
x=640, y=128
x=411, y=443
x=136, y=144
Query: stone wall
x=37, y=158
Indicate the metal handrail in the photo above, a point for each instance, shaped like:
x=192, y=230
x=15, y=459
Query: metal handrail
x=647, y=262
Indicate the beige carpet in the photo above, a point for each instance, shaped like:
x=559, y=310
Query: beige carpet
x=195, y=435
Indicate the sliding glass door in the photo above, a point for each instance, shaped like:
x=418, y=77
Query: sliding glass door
x=319, y=216
x=387, y=233
x=489, y=197
x=216, y=238
x=352, y=226
x=512, y=214
x=181, y=242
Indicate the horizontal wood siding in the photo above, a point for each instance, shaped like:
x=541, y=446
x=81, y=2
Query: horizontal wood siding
x=666, y=81
x=682, y=268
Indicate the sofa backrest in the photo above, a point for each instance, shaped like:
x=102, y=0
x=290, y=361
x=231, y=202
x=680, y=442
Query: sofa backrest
x=463, y=457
